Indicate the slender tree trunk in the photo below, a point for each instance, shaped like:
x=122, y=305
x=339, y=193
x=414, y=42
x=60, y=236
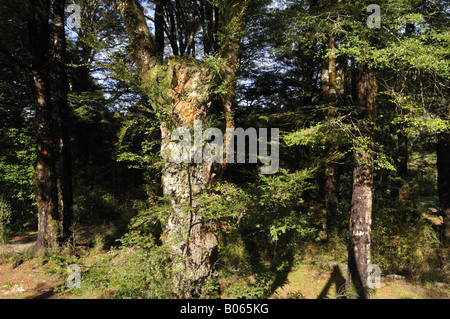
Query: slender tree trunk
x=361, y=206
x=60, y=88
x=159, y=27
x=443, y=167
x=331, y=89
x=44, y=175
x=401, y=191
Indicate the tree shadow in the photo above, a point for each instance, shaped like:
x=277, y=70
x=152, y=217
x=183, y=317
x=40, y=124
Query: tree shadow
x=277, y=262
x=44, y=295
x=355, y=280
x=337, y=279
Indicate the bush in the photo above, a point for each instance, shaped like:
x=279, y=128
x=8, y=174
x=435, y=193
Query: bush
x=137, y=269
x=408, y=248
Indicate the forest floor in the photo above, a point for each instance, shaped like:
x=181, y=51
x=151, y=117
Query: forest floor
x=308, y=282
x=24, y=278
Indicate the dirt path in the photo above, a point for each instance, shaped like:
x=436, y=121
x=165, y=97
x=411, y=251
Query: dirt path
x=26, y=281
x=23, y=280
x=29, y=280
x=18, y=245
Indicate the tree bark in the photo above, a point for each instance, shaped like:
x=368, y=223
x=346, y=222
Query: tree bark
x=60, y=88
x=443, y=167
x=44, y=175
x=331, y=89
x=191, y=242
x=361, y=205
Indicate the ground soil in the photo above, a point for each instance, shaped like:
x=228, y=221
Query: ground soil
x=306, y=281
x=25, y=278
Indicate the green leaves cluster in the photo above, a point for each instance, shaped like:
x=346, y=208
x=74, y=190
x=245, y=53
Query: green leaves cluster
x=272, y=204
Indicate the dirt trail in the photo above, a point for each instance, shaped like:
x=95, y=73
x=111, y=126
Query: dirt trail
x=18, y=245
x=26, y=281
x=23, y=280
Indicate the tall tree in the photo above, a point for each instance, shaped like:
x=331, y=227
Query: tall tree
x=443, y=167
x=341, y=33
x=45, y=177
x=60, y=87
x=362, y=193
x=332, y=89
x=191, y=86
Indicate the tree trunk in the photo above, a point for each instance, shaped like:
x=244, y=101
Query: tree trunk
x=191, y=242
x=60, y=88
x=44, y=175
x=331, y=89
x=361, y=205
x=443, y=167
x=401, y=191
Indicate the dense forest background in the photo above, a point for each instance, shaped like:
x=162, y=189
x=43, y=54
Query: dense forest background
x=87, y=99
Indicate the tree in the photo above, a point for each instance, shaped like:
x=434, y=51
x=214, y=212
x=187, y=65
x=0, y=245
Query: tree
x=16, y=125
x=60, y=87
x=43, y=68
x=191, y=85
x=362, y=193
x=341, y=33
x=45, y=172
x=333, y=91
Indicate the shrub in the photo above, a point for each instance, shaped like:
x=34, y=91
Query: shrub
x=137, y=269
x=408, y=248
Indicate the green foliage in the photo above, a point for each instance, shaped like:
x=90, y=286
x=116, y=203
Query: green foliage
x=311, y=136
x=259, y=225
x=272, y=204
x=414, y=119
x=5, y=217
x=16, y=173
x=249, y=289
x=407, y=248
x=261, y=221
x=137, y=269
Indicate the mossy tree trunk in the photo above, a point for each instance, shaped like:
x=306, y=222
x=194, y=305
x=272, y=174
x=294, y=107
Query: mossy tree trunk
x=362, y=193
x=45, y=177
x=190, y=90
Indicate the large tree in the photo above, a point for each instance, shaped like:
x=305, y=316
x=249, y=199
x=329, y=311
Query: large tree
x=42, y=65
x=45, y=177
x=190, y=89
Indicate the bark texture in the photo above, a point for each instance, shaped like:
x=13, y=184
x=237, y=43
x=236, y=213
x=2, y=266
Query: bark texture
x=44, y=175
x=361, y=205
x=191, y=84
x=60, y=88
x=191, y=243
x=443, y=167
x=331, y=88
